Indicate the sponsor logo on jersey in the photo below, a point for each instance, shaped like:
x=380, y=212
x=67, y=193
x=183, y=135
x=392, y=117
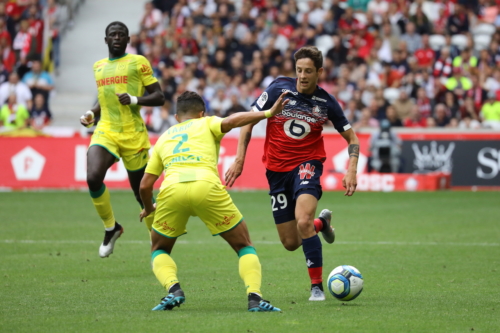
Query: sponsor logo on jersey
x=289, y=91
x=262, y=99
x=305, y=182
x=145, y=69
x=299, y=116
x=316, y=109
x=306, y=171
x=225, y=221
x=122, y=79
x=292, y=102
x=314, y=98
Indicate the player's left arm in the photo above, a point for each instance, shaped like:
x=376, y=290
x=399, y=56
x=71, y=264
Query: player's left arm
x=155, y=96
x=146, y=192
x=341, y=124
x=349, y=181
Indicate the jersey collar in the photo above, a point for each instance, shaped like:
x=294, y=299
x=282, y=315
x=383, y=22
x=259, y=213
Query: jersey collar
x=124, y=55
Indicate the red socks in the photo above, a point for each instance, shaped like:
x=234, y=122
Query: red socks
x=318, y=225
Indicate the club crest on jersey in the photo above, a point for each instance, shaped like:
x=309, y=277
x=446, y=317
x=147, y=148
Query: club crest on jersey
x=262, y=100
x=306, y=172
x=316, y=109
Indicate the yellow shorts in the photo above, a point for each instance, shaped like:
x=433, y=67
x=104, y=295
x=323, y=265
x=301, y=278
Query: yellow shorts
x=133, y=147
x=209, y=201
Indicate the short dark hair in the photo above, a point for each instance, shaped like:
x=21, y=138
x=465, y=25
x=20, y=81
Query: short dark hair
x=312, y=53
x=116, y=23
x=189, y=102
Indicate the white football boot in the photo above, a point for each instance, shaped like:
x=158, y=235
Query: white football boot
x=110, y=238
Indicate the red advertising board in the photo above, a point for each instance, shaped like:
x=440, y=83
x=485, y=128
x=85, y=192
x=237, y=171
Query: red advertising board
x=44, y=162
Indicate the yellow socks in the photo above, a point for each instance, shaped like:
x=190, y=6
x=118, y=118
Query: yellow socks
x=250, y=269
x=102, y=204
x=164, y=268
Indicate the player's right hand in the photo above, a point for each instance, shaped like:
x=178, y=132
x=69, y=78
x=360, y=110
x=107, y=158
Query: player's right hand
x=279, y=105
x=233, y=173
x=87, y=119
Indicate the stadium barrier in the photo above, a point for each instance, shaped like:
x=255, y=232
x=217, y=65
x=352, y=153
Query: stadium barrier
x=431, y=162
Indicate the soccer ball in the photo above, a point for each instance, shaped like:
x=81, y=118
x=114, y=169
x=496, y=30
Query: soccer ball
x=345, y=283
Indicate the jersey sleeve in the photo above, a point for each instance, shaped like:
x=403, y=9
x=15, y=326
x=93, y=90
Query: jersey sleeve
x=145, y=71
x=214, y=123
x=336, y=115
x=267, y=99
x=155, y=165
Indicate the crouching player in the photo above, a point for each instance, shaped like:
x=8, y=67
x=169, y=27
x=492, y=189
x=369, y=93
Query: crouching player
x=188, y=153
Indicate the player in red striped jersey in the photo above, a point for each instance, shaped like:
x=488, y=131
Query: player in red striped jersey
x=294, y=153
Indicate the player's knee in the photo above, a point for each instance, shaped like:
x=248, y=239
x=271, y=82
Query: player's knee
x=304, y=225
x=290, y=244
x=94, y=181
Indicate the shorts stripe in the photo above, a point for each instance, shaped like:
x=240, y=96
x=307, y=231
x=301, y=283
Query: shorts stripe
x=96, y=144
x=159, y=233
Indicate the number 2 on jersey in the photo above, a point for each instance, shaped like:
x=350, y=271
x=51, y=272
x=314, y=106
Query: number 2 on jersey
x=184, y=138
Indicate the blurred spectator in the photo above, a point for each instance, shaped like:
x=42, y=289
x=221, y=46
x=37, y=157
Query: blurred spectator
x=40, y=115
x=378, y=8
x=490, y=112
x=235, y=106
x=220, y=103
x=422, y=24
x=20, y=89
x=55, y=17
x=425, y=56
x=366, y=121
x=152, y=118
x=415, y=119
x=440, y=116
x=465, y=60
x=152, y=20
x=14, y=115
x=39, y=82
x=443, y=65
x=403, y=105
x=352, y=113
x=451, y=103
x=458, y=83
x=458, y=23
x=423, y=103
x=22, y=41
x=358, y=5
x=412, y=38
x=392, y=117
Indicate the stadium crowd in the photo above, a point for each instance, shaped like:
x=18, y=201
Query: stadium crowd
x=26, y=81
x=416, y=63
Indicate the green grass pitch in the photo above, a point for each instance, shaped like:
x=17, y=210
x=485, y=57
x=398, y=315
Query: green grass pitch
x=430, y=263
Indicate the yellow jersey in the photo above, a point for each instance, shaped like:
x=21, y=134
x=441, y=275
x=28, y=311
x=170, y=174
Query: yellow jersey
x=127, y=74
x=188, y=152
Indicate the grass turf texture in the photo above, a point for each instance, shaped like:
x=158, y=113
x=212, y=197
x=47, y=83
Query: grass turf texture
x=430, y=263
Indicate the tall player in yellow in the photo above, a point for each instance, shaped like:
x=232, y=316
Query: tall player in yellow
x=188, y=154
x=121, y=80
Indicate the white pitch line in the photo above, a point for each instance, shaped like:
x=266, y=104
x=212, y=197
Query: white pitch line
x=41, y=241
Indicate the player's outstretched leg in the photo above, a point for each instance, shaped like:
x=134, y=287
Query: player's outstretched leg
x=323, y=224
x=165, y=270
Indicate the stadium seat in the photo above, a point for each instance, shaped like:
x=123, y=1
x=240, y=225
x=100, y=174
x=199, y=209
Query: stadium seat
x=484, y=29
x=459, y=41
x=391, y=94
x=437, y=42
x=324, y=43
x=481, y=42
